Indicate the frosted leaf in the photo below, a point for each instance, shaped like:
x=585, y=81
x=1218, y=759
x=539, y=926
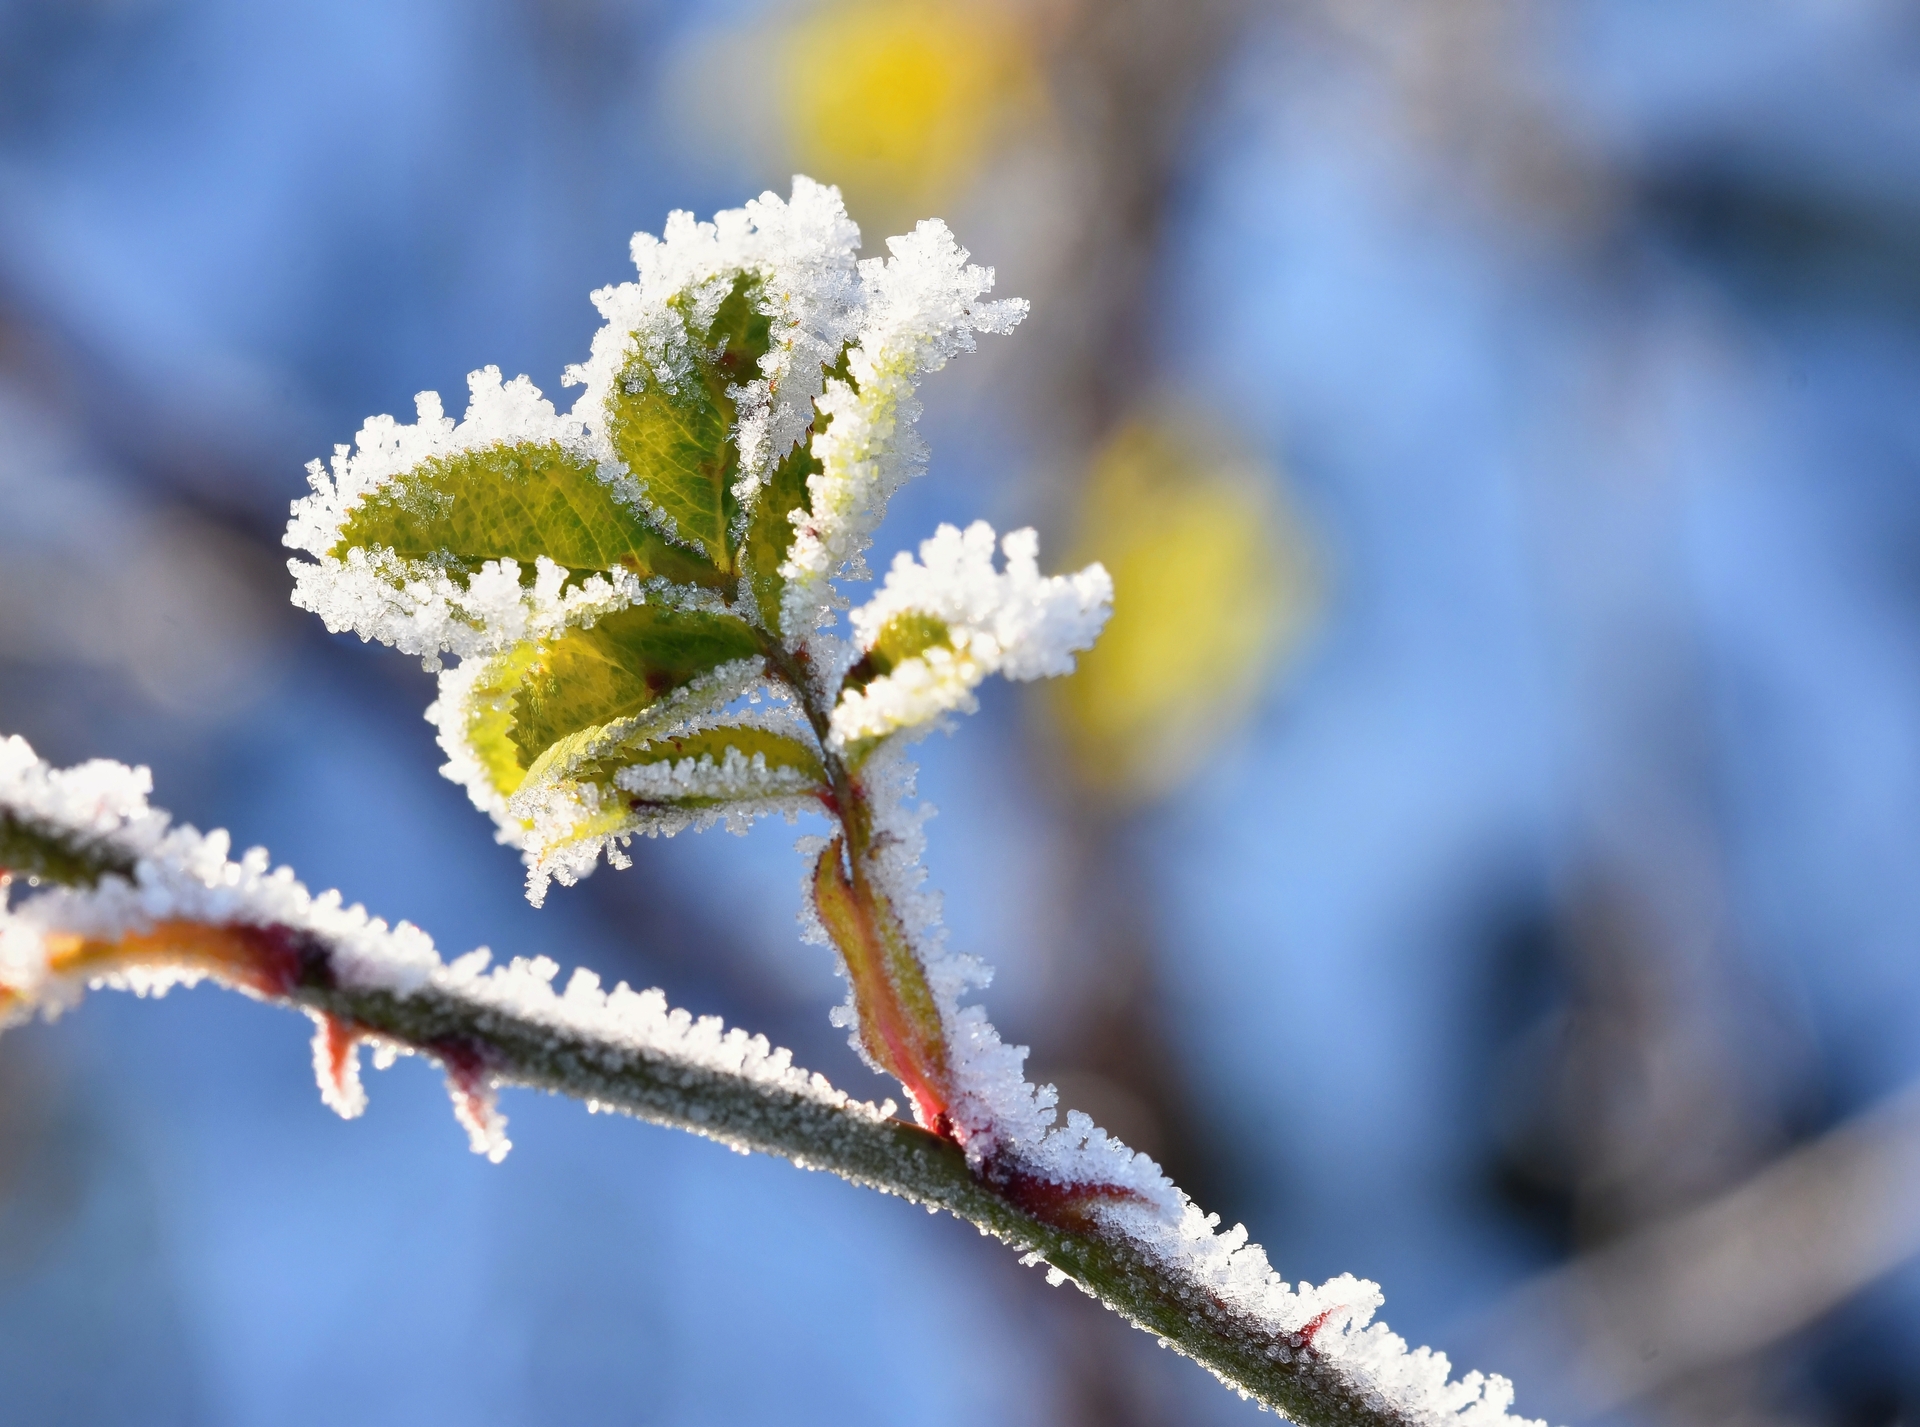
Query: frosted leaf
x=940, y=626
x=471, y=716
x=921, y=306
x=748, y=411
x=802, y=249
x=594, y=793
x=428, y=602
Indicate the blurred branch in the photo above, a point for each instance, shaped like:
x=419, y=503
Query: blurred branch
x=1735, y=1275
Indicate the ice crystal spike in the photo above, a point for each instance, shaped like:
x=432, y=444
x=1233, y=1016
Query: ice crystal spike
x=941, y=626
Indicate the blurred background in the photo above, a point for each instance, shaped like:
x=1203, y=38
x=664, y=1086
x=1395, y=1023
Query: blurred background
x=1484, y=854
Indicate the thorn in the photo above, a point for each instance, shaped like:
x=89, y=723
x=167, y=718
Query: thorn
x=336, y=1064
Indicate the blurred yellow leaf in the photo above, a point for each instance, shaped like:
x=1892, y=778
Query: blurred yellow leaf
x=899, y=101
x=1213, y=583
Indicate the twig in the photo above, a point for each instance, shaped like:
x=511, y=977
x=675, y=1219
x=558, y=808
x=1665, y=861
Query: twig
x=96, y=924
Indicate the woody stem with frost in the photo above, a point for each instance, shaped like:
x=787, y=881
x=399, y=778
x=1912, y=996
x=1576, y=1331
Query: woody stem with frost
x=899, y=1020
x=510, y=1029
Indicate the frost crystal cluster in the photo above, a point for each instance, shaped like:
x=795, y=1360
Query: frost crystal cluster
x=634, y=610
x=638, y=596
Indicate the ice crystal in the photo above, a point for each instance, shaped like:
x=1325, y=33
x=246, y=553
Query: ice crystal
x=179, y=875
x=619, y=585
x=803, y=252
x=979, y=621
x=411, y=604
x=184, y=880
x=565, y=822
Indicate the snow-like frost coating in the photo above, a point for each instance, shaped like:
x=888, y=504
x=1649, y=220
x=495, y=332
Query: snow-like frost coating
x=180, y=874
x=895, y=319
x=921, y=306
x=1006, y=1121
x=1016, y=622
x=802, y=250
x=564, y=824
x=184, y=876
x=411, y=604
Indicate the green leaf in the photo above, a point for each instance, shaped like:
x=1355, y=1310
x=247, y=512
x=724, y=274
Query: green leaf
x=770, y=529
x=577, y=778
x=907, y=635
x=628, y=661
x=514, y=502
x=490, y=717
x=677, y=439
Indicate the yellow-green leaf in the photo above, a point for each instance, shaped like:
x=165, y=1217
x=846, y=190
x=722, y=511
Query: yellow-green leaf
x=676, y=435
x=515, y=502
x=907, y=635
x=628, y=661
x=489, y=717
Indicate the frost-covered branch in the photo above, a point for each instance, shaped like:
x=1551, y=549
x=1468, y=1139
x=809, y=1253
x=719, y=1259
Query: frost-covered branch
x=640, y=596
x=124, y=900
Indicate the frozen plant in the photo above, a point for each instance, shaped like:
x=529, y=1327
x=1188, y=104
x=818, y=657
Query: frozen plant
x=641, y=600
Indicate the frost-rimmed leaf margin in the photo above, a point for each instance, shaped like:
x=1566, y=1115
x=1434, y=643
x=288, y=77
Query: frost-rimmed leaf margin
x=189, y=913
x=441, y=602
x=800, y=257
x=941, y=625
x=922, y=305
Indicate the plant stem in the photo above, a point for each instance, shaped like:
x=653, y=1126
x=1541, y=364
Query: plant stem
x=487, y=1039
x=885, y=1154
x=900, y=1024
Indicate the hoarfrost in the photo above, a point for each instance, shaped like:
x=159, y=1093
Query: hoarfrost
x=803, y=252
x=180, y=875
x=55, y=944
x=893, y=320
x=1008, y=1126
x=563, y=824
x=920, y=306
x=461, y=701
x=1015, y=622
x=411, y=604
